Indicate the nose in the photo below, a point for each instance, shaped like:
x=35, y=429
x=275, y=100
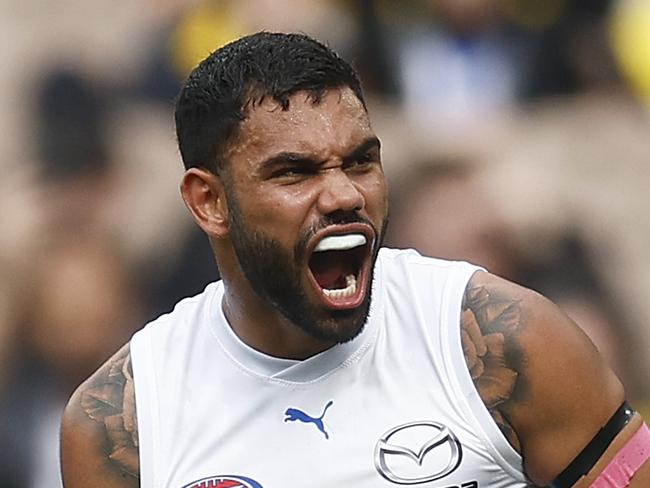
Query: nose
x=339, y=193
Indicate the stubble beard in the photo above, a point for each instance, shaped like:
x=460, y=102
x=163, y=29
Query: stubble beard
x=275, y=275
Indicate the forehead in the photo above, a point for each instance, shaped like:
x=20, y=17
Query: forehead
x=333, y=125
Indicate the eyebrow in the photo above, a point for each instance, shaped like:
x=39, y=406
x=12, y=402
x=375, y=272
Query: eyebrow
x=288, y=157
x=301, y=158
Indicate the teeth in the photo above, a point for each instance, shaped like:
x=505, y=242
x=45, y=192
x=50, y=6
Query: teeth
x=341, y=242
x=346, y=292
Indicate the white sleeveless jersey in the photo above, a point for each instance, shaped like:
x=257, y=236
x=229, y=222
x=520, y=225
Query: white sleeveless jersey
x=396, y=406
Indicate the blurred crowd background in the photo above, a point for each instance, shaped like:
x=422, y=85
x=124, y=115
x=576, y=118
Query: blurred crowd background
x=516, y=135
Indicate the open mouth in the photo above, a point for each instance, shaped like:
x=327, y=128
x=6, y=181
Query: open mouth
x=339, y=266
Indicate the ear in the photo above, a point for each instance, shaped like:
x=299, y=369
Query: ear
x=205, y=197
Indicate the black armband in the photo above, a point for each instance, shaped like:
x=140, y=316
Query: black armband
x=590, y=455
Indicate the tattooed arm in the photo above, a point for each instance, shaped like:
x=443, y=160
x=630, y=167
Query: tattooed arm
x=540, y=377
x=99, y=432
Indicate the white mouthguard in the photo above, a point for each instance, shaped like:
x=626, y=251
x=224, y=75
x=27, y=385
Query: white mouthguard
x=340, y=242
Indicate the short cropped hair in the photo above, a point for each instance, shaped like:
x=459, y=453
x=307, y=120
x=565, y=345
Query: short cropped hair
x=220, y=90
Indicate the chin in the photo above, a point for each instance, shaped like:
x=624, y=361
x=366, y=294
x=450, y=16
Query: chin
x=338, y=326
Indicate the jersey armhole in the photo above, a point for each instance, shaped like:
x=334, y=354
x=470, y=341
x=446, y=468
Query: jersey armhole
x=146, y=401
x=461, y=381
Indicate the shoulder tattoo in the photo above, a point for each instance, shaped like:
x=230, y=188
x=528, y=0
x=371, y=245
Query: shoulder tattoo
x=489, y=325
x=109, y=398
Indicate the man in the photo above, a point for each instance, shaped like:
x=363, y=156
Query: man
x=321, y=359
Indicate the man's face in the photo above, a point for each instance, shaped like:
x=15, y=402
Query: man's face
x=307, y=210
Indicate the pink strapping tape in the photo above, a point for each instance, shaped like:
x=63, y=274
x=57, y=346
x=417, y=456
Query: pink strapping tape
x=627, y=461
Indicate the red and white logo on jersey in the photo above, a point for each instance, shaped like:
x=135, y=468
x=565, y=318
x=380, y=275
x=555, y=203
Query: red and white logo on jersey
x=224, y=481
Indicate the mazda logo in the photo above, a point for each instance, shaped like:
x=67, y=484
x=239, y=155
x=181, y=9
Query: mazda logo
x=432, y=439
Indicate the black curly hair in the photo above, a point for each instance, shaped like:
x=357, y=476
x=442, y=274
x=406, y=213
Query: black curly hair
x=220, y=90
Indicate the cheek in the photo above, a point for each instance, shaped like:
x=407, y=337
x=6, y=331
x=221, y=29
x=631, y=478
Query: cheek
x=376, y=195
x=287, y=209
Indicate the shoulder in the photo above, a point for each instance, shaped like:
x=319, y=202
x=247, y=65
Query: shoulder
x=398, y=262
x=540, y=377
x=99, y=433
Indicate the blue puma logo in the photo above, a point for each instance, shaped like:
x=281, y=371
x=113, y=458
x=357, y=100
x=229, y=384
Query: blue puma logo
x=293, y=414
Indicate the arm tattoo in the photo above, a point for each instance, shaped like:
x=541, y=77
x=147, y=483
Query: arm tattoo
x=110, y=400
x=488, y=326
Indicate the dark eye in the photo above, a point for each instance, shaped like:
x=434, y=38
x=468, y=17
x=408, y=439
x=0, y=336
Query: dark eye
x=367, y=158
x=290, y=172
x=363, y=161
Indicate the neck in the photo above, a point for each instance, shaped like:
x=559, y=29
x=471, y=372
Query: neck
x=255, y=321
x=262, y=327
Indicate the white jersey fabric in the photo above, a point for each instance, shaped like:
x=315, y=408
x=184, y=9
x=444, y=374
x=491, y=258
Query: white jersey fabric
x=396, y=406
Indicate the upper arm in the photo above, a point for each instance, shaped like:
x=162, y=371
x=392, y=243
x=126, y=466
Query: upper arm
x=99, y=435
x=539, y=375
